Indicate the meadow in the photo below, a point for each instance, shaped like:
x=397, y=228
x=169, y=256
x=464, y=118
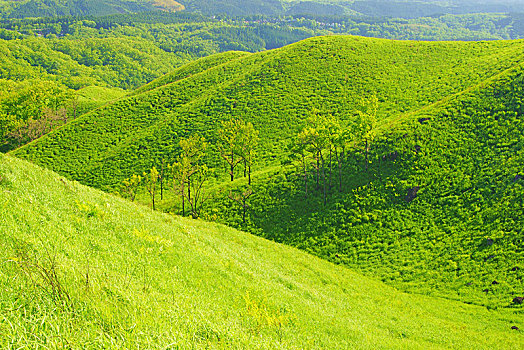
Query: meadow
x=85, y=269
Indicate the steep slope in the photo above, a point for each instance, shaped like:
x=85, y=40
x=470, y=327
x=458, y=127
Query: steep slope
x=81, y=268
x=276, y=90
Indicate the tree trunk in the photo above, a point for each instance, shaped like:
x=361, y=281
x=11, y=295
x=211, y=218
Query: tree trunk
x=232, y=166
x=367, y=152
x=183, y=203
x=330, y=167
x=153, y=198
x=318, y=169
x=339, y=162
x=324, y=178
x=249, y=174
x=305, y=173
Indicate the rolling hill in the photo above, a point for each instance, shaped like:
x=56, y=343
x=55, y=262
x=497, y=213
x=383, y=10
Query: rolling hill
x=81, y=268
x=276, y=90
x=438, y=211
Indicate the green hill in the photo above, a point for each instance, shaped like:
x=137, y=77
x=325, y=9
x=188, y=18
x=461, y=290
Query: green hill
x=275, y=90
x=437, y=212
x=83, y=269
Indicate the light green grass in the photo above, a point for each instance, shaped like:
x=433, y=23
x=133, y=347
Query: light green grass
x=142, y=279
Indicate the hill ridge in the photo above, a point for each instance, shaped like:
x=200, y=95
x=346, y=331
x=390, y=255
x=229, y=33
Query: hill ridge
x=270, y=73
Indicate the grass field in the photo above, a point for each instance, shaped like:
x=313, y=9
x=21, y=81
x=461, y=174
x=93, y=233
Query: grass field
x=83, y=269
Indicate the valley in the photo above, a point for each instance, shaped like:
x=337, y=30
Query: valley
x=251, y=175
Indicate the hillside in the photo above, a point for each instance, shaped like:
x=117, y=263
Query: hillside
x=438, y=212
x=445, y=163
x=86, y=269
x=368, y=8
x=111, y=52
x=275, y=90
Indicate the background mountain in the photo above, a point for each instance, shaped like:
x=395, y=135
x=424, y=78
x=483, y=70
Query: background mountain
x=370, y=8
x=52, y=8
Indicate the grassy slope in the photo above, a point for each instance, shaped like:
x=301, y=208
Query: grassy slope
x=275, y=90
x=92, y=97
x=469, y=153
x=155, y=280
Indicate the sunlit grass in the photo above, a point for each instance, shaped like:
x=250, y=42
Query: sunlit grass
x=142, y=279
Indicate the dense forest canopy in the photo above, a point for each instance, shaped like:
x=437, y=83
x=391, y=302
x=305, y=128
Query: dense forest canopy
x=376, y=8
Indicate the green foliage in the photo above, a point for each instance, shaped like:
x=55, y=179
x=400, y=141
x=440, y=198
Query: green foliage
x=32, y=108
x=365, y=124
x=130, y=187
x=88, y=56
x=52, y=8
x=248, y=143
x=274, y=91
x=190, y=174
x=236, y=143
x=150, y=183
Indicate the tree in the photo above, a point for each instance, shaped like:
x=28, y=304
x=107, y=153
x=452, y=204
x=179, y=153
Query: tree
x=336, y=143
x=197, y=200
x=36, y=128
x=340, y=143
x=323, y=134
x=7, y=124
x=130, y=186
x=299, y=152
x=229, y=144
x=365, y=124
x=316, y=141
x=241, y=198
x=162, y=174
x=151, y=180
x=179, y=176
x=248, y=142
x=193, y=150
x=73, y=104
x=190, y=174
